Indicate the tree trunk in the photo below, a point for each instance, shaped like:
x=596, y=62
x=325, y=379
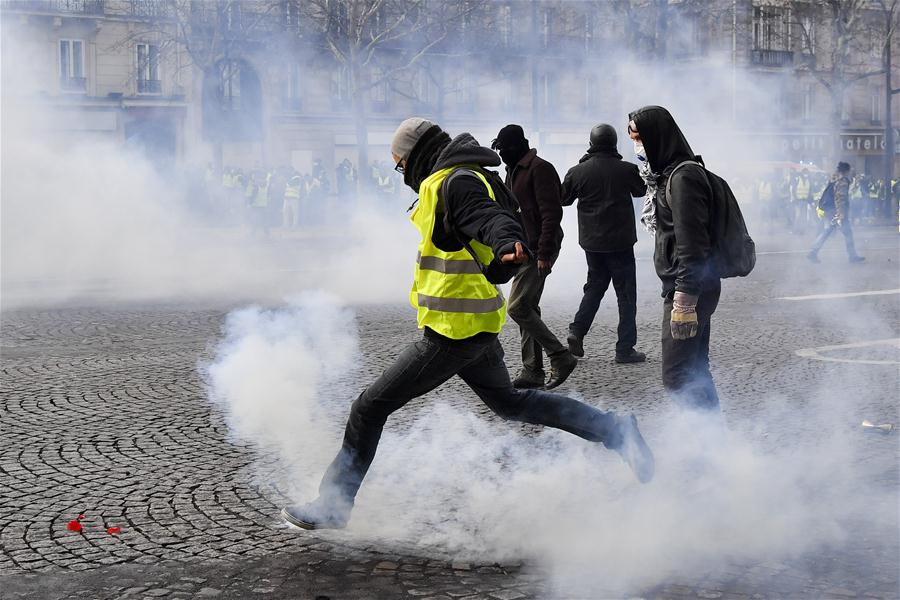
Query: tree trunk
x=361, y=124
x=888, y=128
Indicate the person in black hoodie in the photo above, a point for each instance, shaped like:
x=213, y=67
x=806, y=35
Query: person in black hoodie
x=682, y=257
x=423, y=151
x=604, y=184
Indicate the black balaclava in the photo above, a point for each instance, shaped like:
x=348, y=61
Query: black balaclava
x=511, y=145
x=663, y=141
x=423, y=157
x=603, y=137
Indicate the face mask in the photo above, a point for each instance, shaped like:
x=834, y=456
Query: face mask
x=639, y=151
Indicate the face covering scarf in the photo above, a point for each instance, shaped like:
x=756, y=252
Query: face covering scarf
x=648, y=212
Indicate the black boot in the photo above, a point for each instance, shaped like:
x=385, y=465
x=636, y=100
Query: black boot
x=634, y=449
x=529, y=379
x=317, y=514
x=631, y=356
x=561, y=366
x=576, y=344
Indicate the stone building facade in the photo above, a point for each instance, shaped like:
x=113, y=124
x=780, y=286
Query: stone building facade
x=272, y=93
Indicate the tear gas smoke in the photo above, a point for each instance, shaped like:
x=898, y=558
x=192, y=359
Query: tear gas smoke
x=451, y=481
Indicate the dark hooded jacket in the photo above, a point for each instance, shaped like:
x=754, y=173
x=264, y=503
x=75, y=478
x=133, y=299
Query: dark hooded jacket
x=683, y=251
x=604, y=185
x=474, y=214
x=535, y=184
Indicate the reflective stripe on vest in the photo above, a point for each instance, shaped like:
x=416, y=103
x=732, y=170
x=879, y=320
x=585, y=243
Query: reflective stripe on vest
x=450, y=293
x=461, y=305
x=456, y=267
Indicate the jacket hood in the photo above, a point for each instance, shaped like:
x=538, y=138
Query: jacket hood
x=600, y=152
x=663, y=141
x=465, y=149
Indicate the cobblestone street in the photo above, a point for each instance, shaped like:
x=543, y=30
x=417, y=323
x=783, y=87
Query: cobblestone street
x=104, y=413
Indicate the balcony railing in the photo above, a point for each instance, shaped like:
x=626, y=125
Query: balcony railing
x=84, y=7
x=149, y=86
x=73, y=84
x=772, y=58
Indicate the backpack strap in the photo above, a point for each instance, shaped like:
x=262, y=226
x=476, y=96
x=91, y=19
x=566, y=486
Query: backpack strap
x=448, y=219
x=672, y=174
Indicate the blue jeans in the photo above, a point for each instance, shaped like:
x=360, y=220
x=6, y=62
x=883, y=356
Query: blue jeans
x=424, y=366
x=829, y=229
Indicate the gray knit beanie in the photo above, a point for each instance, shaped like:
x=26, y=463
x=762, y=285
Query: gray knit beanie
x=408, y=134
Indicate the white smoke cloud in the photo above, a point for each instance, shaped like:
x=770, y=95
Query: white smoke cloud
x=449, y=481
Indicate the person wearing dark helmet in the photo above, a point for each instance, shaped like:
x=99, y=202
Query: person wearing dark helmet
x=467, y=242
x=604, y=185
x=535, y=184
x=682, y=257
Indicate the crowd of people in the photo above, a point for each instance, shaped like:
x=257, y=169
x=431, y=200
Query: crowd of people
x=262, y=198
x=785, y=200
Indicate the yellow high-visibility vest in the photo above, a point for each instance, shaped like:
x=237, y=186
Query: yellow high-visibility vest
x=802, y=189
x=292, y=188
x=450, y=293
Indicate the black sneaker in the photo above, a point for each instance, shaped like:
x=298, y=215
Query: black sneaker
x=561, y=366
x=857, y=259
x=529, y=379
x=576, y=345
x=634, y=450
x=632, y=356
x=315, y=515
x=812, y=257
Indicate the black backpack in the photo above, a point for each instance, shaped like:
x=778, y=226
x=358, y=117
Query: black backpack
x=734, y=252
x=826, y=200
x=502, y=195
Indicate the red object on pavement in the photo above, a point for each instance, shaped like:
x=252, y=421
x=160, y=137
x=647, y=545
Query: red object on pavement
x=113, y=530
x=80, y=517
x=73, y=525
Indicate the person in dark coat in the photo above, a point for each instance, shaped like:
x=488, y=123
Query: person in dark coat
x=535, y=184
x=682, y=257
x=604, y=184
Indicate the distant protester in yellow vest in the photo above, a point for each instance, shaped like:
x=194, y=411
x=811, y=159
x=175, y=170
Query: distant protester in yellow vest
x=469, y=244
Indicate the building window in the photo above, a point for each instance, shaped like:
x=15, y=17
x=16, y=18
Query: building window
x=231, y=84
x=508, y=89
x=379, y=86
x=233, y=16
x=504, y=25
x=340, y=85
x=148, y=81
x=771, y=27
x=292, y=87
x=546, y=27
x=71, y=66
x=291, y=13
x=809, y=102
x=547, y=91
x=588, y=30
x=877, y=97
x=808, y=35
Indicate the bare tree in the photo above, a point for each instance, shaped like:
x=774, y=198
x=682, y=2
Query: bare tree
x=376, y=41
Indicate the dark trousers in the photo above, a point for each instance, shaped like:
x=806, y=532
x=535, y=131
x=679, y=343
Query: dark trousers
x=424, y=366
x=524, y=309
x=604, y=267
x=830, y=228
x=685, y=363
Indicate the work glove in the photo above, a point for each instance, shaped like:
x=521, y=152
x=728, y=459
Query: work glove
x=683, y=322
x=544, y=267
x=820, y=213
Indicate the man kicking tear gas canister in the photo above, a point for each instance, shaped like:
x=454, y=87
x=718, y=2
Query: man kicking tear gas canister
x=469, y=243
